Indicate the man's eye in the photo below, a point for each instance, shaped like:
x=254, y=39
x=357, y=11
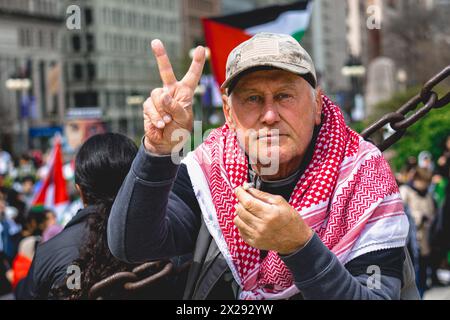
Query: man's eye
x=282, y=96
x=254, y=99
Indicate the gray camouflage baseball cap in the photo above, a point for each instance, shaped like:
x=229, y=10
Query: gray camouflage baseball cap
x=266, y=49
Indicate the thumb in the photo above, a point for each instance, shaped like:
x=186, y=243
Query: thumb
x=264, y=196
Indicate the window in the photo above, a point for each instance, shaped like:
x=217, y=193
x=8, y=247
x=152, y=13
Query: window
x=28, y=38
x=88, y=16
x=115, y=17
x=52, y=40
x=22, y=37
x=76, y=43
x=91, y=71
x=86, y=99
x=392, y=4
x=90, y=43
x=77, y=71
x=40, y=38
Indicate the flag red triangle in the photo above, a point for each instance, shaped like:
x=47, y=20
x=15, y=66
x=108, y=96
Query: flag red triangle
x=55, y=176
x=221, y=40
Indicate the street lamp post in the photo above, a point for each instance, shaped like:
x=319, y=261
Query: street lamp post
x=134, y=101
x=354, y=70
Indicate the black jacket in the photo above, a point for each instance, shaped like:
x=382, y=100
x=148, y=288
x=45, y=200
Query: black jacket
x=156, y=215
x=52, y=258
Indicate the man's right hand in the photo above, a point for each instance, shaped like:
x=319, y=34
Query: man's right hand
x=168, y=110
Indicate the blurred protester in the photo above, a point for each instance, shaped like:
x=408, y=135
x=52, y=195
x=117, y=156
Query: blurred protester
x=6, y=163
x=420, y=204
x=40, y=227
x=22, y=261
x=15, y=200
x=425, y=161
x=30, y=238
x=443, y=170
x=27, y=190
x=8, y=229
x=25, y=168
x=444, y=159
x=5, y=284
x=441, y=238
x=407, y=172
x=37, y=158
x=52, y=228
x=101, y=166
x=3, y=187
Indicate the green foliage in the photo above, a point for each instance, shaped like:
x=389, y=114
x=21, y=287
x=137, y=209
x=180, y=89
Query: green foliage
x=358, y=126
x=428, y=133
x=393, y=104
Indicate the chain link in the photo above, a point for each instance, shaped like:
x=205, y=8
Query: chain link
x=131, y=282
x=399, y=121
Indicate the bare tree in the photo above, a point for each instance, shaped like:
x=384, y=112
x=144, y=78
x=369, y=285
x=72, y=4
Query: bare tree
x=418, y=40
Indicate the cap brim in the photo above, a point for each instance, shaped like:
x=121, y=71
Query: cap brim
x=283, y=66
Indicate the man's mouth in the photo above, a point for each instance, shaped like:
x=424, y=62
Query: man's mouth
x=270, y=136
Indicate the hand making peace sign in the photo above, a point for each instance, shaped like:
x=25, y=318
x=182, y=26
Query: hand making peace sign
x=170, y=108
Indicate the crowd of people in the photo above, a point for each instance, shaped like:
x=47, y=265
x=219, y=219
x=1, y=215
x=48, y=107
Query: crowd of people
x=424, y=187
x=22, y=225
x=425, y=190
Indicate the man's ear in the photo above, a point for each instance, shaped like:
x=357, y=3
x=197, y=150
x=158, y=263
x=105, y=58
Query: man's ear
x=319, y=102
x=81, y=195
x=226, y=106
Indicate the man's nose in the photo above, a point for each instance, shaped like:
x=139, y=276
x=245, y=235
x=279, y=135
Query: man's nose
x=270, y=114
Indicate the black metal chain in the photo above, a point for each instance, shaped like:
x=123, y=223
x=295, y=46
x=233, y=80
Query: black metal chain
x=131, y=282
x=398, y=120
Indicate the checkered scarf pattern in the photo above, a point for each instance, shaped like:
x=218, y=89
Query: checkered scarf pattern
x=338, y=195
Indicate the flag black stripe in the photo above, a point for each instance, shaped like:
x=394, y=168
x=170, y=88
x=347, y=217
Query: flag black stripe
x=256, y=17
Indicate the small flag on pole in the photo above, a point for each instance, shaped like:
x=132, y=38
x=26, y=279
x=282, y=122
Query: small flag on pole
x=53, y=193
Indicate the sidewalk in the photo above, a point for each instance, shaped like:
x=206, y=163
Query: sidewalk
x=437, y=294
x=440, y=293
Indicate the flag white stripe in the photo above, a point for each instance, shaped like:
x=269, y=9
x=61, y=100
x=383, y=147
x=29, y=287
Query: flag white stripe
x=288, y=22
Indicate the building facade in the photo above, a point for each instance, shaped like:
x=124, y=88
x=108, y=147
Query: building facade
x=109, y=63
x=192, y=13
x=30, y=49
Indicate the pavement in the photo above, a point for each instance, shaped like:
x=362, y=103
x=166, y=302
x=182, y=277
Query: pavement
x=437, y=293
x=440, y=293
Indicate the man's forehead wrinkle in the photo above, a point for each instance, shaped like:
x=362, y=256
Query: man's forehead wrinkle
x=255, y=85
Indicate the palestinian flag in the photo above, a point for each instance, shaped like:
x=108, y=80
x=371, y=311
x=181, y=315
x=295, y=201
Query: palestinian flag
x=224, y=33
x=52, y=192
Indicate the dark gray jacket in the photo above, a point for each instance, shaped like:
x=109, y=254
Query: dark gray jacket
x=156, y=215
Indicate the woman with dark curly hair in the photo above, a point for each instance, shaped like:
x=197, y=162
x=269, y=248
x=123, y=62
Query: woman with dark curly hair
x=101, y=165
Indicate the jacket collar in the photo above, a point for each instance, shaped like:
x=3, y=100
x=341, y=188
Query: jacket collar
x=81, y=216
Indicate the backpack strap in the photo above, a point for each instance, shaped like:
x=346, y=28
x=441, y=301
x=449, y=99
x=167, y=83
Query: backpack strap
x=202, y=244
x=409, y=290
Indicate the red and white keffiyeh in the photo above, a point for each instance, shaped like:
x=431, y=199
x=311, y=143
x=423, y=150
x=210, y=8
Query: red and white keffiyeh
x=347, y=195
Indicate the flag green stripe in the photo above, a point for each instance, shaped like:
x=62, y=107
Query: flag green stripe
x=298, y=35
x=289, y=22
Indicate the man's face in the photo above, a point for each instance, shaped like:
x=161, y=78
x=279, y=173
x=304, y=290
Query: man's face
x=273, y=99
x=27, y=186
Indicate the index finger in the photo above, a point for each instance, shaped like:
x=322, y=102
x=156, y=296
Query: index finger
x=194, y=73
x=164, y=66
x=250, y=203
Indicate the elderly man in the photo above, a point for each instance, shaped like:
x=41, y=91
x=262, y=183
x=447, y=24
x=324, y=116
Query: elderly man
x=323, y=219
